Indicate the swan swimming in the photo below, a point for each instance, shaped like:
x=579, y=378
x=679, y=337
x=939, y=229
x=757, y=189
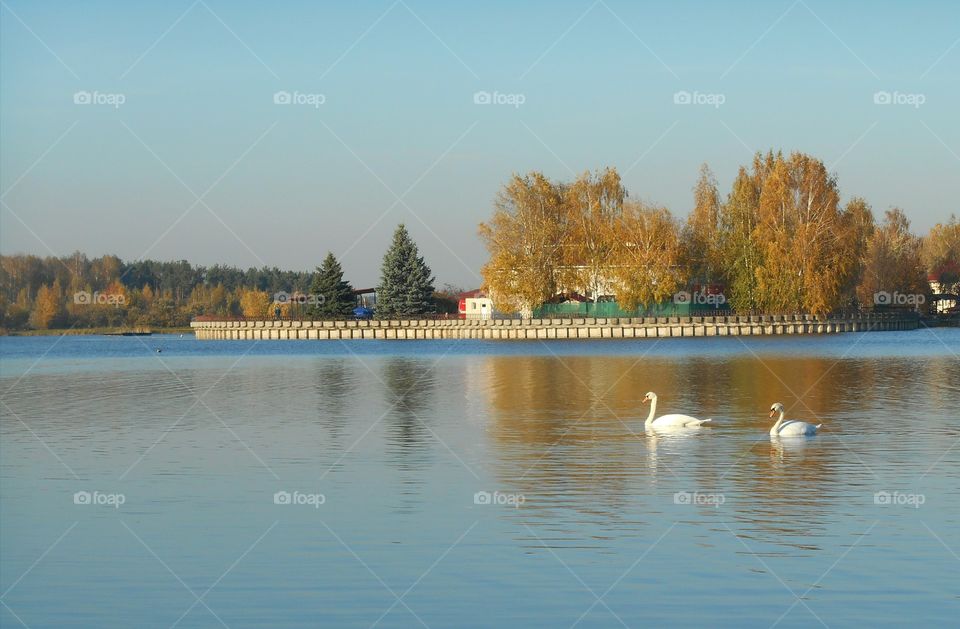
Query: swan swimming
x=790, y=428
x=668, y=421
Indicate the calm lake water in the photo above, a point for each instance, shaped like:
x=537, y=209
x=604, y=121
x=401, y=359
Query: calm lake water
x=302, y=484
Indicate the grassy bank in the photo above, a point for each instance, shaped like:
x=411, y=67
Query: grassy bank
x=83, y=331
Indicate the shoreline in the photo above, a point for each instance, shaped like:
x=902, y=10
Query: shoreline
x=101, y=331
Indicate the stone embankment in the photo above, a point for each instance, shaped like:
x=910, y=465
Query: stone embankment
x=556, y=328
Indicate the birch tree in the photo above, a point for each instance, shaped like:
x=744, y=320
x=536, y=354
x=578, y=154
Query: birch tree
x=893, y=262
x=593, y=204
x=525, y=237
x=648, y=253
x=700, y=234
x=799, y=232
x=736, y=243
x=941, y=254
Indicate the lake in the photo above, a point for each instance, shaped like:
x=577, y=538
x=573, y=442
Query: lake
x=478, y=484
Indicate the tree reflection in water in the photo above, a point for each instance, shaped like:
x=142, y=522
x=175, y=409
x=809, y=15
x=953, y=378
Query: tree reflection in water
x=410, y=388
x=568, y=434
x=335, y=386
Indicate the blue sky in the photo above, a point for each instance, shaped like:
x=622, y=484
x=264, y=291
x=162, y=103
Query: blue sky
x=399, y=138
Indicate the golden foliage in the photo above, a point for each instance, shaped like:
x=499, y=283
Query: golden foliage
x=786, y=243
x=525, y=237
x=255, y=304
x=47, y=307
x=700, y=234
x=892, y=261
x=781, y=242
x=648, y=253
x=593, y=206
x=941, y=254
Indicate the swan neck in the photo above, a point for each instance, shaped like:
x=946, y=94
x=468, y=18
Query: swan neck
x=779, y=421
x=653, y=410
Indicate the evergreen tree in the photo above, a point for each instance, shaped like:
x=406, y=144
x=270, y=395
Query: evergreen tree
x=406, y=282
x=335, y=296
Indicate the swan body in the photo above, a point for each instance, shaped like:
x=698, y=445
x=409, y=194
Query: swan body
x=790, y=427
x=668, y=421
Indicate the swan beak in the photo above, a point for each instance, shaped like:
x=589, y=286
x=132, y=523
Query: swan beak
x=644, y=401
x=772, y=413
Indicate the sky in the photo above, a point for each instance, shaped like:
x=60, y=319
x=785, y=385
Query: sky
x=268, y=133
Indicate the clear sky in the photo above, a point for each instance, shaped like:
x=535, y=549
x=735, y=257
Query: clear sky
x=182, y=152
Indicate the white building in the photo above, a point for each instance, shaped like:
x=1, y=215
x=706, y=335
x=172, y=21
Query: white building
x=475, y=304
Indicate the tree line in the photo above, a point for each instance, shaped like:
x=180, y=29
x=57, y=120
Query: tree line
x=79, y=292
x=780, y=241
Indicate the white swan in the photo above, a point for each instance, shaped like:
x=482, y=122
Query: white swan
x=790, y=428
x=668, y=421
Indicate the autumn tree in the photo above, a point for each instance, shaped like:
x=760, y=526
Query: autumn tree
x=593, y=205
x=700, y=234
x=648, y=253
x=803, y=264
x=941, y=255
x=255, y=304
x=785, y=242
x=736, y=243
x=855, y=234
x=892, y=263
x=525, y=237
x=47, y=307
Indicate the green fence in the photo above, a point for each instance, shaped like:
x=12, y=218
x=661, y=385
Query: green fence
x=611, y=309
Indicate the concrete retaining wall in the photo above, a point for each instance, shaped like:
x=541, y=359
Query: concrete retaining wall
x=564, y=328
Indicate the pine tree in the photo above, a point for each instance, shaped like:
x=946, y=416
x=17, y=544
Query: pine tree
x=406, y=282
x=334, y=295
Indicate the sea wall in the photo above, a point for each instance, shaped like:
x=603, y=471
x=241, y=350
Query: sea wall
x=557, y=328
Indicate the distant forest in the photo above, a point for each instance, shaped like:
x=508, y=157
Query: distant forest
x=41, y=293
x=77, y=291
